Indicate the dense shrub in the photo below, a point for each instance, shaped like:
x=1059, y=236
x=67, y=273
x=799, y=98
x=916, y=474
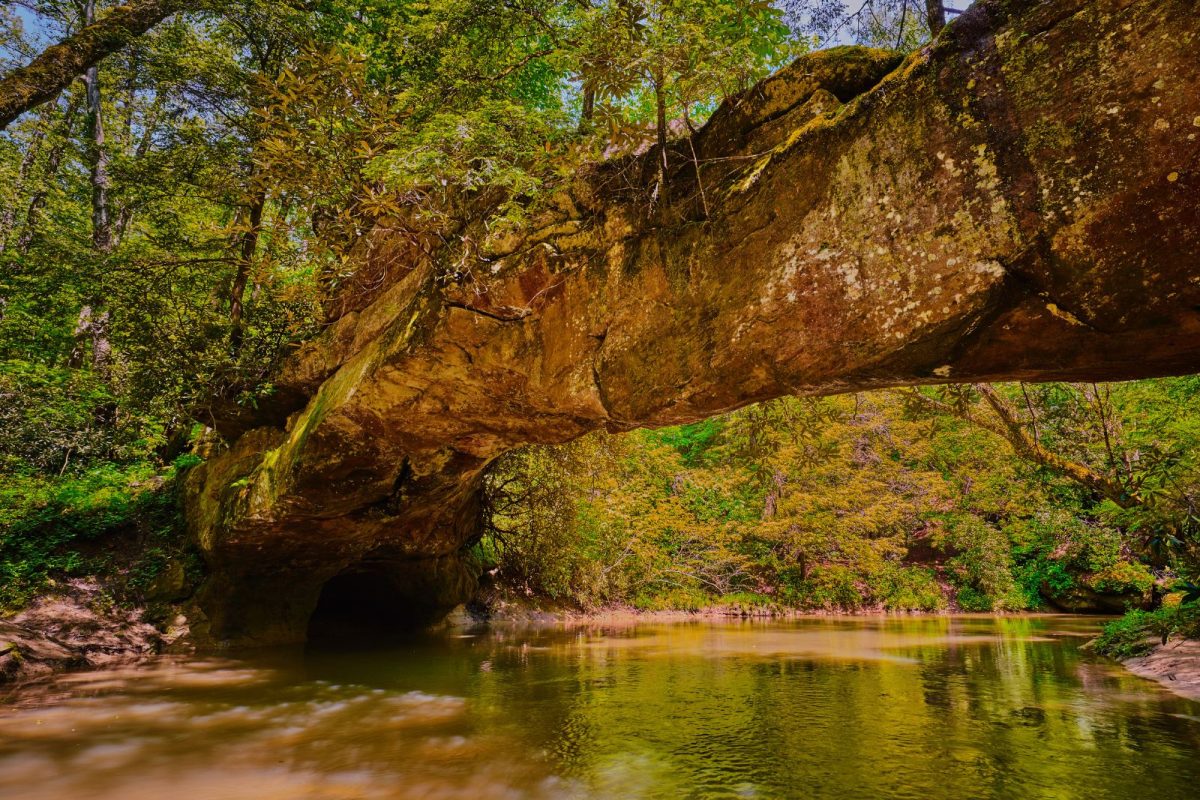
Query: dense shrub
x=123, y=524
x=1138, y=631
x=908, y=589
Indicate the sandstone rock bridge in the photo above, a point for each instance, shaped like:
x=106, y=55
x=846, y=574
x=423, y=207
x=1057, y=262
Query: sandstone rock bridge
x=1020, y=200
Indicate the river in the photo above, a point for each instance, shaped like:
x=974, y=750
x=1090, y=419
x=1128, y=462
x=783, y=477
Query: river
x=962, y=707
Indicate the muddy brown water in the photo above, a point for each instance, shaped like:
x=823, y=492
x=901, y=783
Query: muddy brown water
x=965, y=707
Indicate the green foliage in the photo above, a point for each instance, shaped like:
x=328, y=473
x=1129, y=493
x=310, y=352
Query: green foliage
x=1134, y=634
x=1137, y=632
x=692, y=441
x=1042, y=577
x=123, y=523
x=971, y=599
x=833, y=587
x=48, y=416
x=688, y=52
x=900, y=24
x=908, y=589
x=1122, y=577
x=843, y=503
x=1189, y=592
x=747, y=601
x=675, y=599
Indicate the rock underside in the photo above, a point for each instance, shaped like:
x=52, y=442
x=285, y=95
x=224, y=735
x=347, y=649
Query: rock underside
x=1016, y=201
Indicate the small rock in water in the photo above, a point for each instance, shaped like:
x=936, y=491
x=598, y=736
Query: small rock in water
x=1030, y=715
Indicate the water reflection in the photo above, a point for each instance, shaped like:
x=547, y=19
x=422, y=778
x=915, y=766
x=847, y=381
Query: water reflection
x=930, y=708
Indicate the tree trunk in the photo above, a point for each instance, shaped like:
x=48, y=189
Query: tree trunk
x=47, y=75
x=660, y=108
x=1013, y=431
x=91, y=328
x=935, y=16
x=97, y=153
x=91, y=338
x=149, y=123
x=589, y=107
x=247, y=250
x=1112, y=488
x=8, y=216
x=1008, y=426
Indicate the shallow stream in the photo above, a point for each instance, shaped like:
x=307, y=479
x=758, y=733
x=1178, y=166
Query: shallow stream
x=965, y=707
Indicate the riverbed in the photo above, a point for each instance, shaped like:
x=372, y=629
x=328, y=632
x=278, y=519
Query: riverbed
x=900, y=707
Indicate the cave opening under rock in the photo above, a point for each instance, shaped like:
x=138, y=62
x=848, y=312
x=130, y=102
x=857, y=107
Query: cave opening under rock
x=367, y=604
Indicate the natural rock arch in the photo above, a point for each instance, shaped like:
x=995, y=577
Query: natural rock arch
x=1016, y=201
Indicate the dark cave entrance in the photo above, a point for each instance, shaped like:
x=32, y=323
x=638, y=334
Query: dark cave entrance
x=366, y=605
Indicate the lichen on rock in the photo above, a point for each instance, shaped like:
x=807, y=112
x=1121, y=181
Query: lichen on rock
x=974, y=213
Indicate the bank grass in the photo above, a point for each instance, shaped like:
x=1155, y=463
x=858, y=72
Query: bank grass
x=1138, y=632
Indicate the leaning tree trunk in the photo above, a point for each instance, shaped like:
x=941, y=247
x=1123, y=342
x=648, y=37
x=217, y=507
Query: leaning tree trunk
x=1016, y=201
x=44, y=78
x=1007, y=425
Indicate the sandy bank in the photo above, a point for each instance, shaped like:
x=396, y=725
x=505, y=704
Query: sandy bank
x=1176, y=665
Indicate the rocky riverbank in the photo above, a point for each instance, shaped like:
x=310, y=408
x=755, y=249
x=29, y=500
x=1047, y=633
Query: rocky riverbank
x=76, y=627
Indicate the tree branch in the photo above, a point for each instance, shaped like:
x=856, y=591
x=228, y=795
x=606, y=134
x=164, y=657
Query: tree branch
x=1025, y=446
x=1007, y=426
x=47, y=75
